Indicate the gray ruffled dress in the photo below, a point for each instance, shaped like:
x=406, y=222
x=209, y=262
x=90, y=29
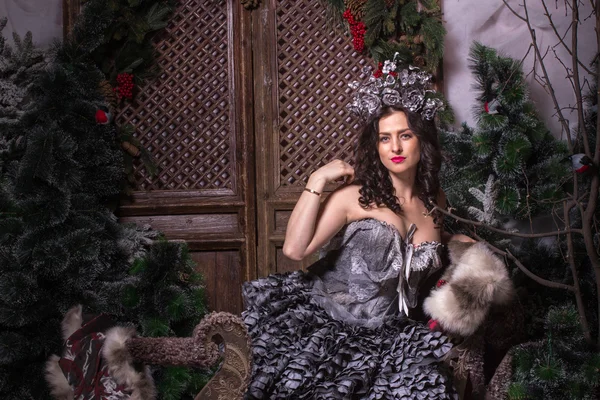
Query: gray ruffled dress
x=341, y=330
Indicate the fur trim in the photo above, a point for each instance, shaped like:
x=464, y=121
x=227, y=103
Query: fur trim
x=72, y=321
x=59, y=386
x=121, y=367
x=476, y=278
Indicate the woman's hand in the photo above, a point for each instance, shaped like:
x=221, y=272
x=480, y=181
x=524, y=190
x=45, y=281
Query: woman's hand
x=330, y=172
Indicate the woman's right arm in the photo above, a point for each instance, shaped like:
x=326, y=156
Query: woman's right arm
x=309, y=228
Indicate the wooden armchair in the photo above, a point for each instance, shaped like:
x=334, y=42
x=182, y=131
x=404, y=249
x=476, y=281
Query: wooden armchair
x=479, y=361
x=99, y=360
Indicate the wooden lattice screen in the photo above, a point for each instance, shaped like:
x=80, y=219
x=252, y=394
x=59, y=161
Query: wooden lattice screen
x=307, y=65
x=183, y=117
x=195, y=120
x=315, y=65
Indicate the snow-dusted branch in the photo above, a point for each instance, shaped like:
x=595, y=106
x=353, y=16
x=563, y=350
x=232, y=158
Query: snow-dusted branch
x=519, y=264
x=505, y=232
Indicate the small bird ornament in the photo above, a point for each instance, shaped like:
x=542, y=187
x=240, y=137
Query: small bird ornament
x=581, y=163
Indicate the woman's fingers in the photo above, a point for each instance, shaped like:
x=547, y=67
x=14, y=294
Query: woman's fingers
x=334, y=171
x=350, y=176
x=343, y=170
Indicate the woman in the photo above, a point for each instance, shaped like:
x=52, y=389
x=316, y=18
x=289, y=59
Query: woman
x=341, y=331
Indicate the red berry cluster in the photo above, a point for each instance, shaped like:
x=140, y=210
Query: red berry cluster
x=357, y=29
x=124, y=85
x=379, y=72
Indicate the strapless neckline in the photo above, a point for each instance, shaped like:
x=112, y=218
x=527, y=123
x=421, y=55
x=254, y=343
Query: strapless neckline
x=427, y=243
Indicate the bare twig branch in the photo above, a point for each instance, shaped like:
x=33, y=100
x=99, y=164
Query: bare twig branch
x=545, y=54
x=525, y=56
x=555, y=219
x=589, y=214
x=549, y=87
x=577, y=289
x=513, y=11
x=561, y=39
x=519, y=264
x=536, y=278
x=502, y=231
x=527, y=197
x=569, y=74
x=576, y=81
x=587, y=83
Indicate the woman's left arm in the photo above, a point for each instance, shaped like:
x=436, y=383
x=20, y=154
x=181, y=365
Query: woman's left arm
x=447, y=236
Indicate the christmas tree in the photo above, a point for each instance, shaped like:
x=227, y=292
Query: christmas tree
x=61, y=170
x=560, y=366
x=503, y=180
x=517, y=166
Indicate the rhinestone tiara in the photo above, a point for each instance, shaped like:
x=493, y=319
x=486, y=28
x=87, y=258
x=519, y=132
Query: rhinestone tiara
x=408, y=88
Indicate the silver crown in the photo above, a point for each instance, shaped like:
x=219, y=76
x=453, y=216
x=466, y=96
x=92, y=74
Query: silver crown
x=408, y=89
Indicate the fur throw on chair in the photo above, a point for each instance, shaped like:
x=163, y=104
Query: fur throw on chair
x=101, y=361
x=475, y=280
x=95, y=362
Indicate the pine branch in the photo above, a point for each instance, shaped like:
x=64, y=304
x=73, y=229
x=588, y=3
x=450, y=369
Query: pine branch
x=157, y=18
x=487, y=199
x=433, y=37
x=409, y=17
x=374, y=18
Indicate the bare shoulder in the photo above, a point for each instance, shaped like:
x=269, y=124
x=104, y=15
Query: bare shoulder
x=346, y=195
x=343, y=198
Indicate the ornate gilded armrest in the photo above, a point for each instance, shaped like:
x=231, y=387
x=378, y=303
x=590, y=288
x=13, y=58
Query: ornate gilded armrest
x=97, y=353
x=217, y=331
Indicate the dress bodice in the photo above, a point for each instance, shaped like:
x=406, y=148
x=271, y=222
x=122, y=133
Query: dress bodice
x=369, y=271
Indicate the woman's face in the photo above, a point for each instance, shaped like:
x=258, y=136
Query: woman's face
x=399, y=148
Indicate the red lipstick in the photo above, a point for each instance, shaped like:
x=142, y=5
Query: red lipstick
x=398, y=159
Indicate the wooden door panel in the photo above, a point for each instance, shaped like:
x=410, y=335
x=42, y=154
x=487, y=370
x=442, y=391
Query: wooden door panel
x=190, y=226
x=219, y=269
x=302, y=67
x=196, y=121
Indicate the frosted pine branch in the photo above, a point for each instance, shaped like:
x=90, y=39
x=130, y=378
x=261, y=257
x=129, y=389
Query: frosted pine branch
x=19, y=69
x=488, y=200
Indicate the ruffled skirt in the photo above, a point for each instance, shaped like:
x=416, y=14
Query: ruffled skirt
x=301, y=352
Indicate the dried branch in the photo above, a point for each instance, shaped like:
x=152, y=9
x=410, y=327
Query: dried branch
x=589, y=214
x=519, y=264
x=527, y=197
x=561, y=39
x=513, y=11
x=577, y=289
x=546, y=78
x=576, y=81
x=536, y=278
x=502, y=231
x=569, y=75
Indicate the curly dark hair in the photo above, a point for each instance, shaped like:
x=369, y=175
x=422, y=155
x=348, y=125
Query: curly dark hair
x=374, y=178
